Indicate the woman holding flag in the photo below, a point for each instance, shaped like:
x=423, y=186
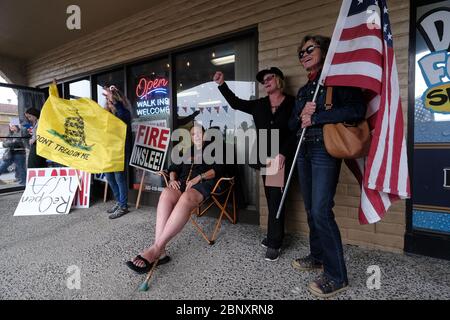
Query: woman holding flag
x=117, y=104
x=318, y=171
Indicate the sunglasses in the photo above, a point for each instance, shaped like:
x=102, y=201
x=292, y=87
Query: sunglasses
x=268, y=78
x=308, y=50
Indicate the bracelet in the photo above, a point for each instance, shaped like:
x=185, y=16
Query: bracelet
x=201, y=177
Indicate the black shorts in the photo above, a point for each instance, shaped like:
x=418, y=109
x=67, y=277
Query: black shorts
x=204, y=187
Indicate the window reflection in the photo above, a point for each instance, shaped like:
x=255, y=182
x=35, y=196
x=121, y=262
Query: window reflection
x=80, y=89
x=198, y=97
x=115, y=78
x=149, y=94
x=15, y=133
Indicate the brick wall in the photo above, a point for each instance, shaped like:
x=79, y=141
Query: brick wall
x=281, y=25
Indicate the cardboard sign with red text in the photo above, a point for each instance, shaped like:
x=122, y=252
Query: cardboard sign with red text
x=150, y=148
x=82, y=195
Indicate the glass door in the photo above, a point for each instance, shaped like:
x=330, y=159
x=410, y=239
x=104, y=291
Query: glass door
x=15, y=133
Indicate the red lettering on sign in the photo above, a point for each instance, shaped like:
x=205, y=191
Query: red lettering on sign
x=146, y=85
x=141, y=134
x=153, y=135
x=163, y=138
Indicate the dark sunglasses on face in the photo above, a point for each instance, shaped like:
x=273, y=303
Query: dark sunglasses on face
x=308, y=50
x=268, y=78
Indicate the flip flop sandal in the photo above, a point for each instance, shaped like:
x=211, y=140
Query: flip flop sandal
x=148, y=265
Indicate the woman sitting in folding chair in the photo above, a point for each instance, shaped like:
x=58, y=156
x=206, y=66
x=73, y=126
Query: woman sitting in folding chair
x=190, y=183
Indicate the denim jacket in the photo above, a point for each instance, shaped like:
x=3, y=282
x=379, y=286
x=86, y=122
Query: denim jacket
x=348, y=106
x=124, y=114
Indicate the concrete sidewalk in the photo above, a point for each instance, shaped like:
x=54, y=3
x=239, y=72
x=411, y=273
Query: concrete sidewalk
x=35, y=253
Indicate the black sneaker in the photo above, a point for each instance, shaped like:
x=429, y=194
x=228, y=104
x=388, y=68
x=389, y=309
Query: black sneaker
x=264, y=243
x=114, y=208
x=119, y=212
x=272, y=254
x=324, y=287
x=307, y=263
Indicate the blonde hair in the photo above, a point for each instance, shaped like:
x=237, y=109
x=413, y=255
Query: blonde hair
x=280, y=82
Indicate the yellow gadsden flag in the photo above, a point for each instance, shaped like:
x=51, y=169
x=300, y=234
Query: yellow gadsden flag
x=80, y=134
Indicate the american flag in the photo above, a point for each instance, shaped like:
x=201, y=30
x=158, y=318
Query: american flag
x=361, y=55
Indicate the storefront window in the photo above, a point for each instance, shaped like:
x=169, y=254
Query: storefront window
x=149, y=94
x=199, y=98
x=15, y=133
x=115, y=78
x=431, y=183
x=80, y=89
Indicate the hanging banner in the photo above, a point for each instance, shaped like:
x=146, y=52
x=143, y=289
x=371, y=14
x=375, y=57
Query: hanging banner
x=150, y=148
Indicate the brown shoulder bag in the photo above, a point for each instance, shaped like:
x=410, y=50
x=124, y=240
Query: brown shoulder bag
x=345, y=140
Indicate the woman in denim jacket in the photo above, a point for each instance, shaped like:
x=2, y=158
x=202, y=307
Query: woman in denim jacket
x=118, y=104
x=318, y=171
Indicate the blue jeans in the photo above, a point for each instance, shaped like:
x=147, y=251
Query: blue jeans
x=21, y=171
x=118, y=183
x=319, y=175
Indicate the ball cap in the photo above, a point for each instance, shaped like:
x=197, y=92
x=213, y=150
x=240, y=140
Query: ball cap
x=14, y=122
x=272, y=70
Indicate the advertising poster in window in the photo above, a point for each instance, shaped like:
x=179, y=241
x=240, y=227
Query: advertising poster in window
x=149, y=95
x=431, y=187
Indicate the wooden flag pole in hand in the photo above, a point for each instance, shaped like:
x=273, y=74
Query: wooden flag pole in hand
x=295, y=159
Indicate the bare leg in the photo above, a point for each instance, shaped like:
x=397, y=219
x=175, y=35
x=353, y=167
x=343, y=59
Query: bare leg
x=167, y=202
x=174, y=224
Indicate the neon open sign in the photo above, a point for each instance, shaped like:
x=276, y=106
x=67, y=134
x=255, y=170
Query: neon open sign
x=147, y=87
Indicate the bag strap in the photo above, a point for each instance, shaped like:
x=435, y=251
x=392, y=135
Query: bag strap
x=329, y=98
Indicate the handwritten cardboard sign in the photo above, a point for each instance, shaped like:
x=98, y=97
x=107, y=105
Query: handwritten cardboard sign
x=82, y=196
x=150, y=148
x=47, y=195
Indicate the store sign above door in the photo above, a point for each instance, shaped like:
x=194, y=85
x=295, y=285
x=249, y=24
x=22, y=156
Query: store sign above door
x=434, y=26
x=152, y=97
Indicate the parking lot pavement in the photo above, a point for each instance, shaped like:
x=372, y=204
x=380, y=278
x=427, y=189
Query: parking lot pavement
x=41, y=255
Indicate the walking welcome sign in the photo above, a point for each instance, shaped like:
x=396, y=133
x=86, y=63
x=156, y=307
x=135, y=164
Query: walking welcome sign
x=80, y=134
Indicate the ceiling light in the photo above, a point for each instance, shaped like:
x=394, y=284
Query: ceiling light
x=187, y=94
x=223, y=60
x=209, y=102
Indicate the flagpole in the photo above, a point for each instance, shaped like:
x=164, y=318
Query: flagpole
x=295, y=159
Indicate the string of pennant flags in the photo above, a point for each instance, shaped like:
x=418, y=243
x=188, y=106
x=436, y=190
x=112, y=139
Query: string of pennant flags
x=202, y=109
